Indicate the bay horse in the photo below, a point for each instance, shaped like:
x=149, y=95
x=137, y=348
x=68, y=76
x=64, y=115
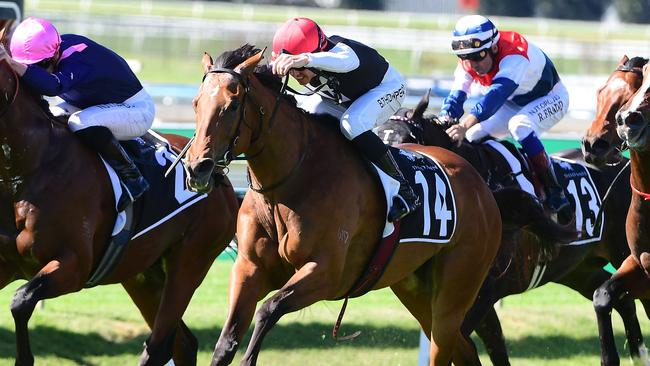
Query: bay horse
x=633, y=276
x=580, y=267
x=57, y=215
x=315, y=213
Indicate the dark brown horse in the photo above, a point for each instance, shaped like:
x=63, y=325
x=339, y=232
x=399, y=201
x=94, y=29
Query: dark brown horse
x=633, y=276
x=315, y=214
x=57, y=214
x=579, y=267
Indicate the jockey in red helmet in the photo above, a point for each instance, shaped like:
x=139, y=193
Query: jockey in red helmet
x=352, y=82
x=102, y=96
x=522, y=94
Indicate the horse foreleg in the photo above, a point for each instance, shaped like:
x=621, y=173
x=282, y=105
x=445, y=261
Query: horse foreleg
x=605, y=299
x=54, y=279
x=313, y=282
x=248, y=283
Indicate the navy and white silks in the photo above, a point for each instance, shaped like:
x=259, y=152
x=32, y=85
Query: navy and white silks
x=98, y=88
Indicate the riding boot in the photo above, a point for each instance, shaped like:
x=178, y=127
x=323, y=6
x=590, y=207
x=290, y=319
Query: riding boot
x=103, y=141
x=406, y=201
x=555, y=198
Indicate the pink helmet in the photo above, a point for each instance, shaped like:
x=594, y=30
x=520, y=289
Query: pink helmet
x=34, y=40
x=299, y=35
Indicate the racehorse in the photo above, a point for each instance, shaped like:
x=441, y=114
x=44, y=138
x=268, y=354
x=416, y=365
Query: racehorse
x=601, y=144
x=632, y=277
x=518, y=263
x=58, y=213
x=315, y=213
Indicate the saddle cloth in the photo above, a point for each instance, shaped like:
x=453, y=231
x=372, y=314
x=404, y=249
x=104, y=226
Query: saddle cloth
x=166, y=197
x=435, y=221
x=576, y=180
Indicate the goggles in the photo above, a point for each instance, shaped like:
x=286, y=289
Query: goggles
x=475, y=56
x=469, y=43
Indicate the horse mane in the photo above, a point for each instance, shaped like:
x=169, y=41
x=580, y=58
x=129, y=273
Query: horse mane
x=230, y=60
x=636, y=61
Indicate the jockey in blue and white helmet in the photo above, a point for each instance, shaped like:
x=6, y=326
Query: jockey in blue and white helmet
x=521, y=94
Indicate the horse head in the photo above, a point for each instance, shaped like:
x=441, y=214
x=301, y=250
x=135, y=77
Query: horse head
x=633, y=117
x=413, y=126
x=601, y=144
x=221, y=107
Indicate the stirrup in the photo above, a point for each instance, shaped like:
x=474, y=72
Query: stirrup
x=400, y=208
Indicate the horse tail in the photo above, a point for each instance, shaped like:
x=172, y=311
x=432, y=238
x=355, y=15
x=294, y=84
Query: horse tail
x=521, y=210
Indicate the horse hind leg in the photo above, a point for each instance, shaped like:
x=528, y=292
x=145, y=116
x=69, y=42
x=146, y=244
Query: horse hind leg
x=145, y=291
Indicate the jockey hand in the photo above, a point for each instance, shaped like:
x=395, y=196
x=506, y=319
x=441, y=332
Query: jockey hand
x=457, y=132
x=285, y=62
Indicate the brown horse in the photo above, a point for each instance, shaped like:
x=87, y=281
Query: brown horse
x=315, y=214
x=633, y=276
x=58, y=212
x=601, y=144
x=578, y=266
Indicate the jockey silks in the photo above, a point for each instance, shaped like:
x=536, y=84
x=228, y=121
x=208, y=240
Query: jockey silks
x=87, y=74
x=354, y=70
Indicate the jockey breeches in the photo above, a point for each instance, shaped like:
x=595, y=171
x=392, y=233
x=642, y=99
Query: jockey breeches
x=372, y=108
x=537, y=116
x=126, y=120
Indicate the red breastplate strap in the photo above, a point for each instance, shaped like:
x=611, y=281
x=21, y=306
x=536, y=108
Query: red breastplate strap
x=646, y=196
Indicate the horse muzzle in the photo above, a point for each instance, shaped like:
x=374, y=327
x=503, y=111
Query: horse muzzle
x=200, y=175
x=633, y=128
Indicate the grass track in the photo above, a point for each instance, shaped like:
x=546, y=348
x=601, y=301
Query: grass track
x=100, y=326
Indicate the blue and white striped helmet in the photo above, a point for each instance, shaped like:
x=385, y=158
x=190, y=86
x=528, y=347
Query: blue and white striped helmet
x=472, y=34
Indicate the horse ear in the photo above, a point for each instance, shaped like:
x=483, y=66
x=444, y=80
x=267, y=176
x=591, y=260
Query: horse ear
x=623, y=60
x=5, y=32
x=249, y=65
x=207, y=62
x=422, y=105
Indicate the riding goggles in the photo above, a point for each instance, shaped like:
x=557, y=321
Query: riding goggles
x=475, y=56
x=469, y=43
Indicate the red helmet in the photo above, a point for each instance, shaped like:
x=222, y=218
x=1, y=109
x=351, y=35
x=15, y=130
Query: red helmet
x=299, y=35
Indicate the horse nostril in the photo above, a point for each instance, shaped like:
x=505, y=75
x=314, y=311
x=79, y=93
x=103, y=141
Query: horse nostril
x=632, y=118
x=600, y=145
x=205, y=166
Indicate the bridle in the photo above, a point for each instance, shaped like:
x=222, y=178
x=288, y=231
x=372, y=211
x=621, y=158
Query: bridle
x=228, y=155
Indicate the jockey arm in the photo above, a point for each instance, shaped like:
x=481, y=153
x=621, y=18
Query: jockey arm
x=53, y=84
x=340, y=59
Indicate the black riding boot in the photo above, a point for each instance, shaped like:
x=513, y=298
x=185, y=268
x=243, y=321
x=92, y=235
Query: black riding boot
x=555, y=198
x=102, y=140
x=374, y=149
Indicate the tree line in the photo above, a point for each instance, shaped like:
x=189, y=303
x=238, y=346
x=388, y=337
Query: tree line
x=629, y=11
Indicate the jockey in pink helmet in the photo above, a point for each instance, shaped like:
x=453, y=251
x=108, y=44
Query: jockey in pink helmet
x=352, y=82
x=104, y=99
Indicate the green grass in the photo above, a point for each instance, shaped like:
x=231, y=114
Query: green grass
x=99, y=326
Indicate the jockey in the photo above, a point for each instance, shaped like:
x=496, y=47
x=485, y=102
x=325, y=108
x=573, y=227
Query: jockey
x=522, y=94
x=103, y=97
x=351, y=81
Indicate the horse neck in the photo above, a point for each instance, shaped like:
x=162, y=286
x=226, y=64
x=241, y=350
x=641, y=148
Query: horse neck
x=26, y=140
x=279, y=151
x=640, y=170
x=435, y=135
